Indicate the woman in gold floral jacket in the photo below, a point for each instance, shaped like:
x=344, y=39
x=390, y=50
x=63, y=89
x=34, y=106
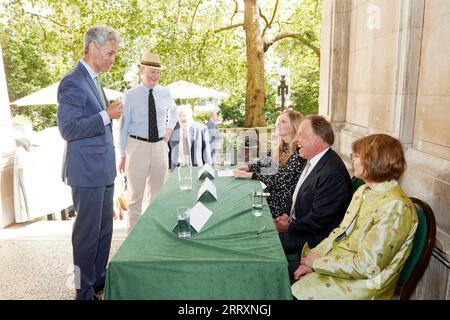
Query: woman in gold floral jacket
x=363, y=257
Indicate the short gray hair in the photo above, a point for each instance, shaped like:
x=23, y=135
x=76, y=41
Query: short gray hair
x=100, y=35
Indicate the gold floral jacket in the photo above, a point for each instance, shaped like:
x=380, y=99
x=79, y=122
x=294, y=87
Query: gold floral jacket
x=363, y=257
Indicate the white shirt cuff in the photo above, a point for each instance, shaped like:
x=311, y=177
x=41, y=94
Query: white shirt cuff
x=105, y=117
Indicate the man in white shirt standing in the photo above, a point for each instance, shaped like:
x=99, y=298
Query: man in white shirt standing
x=149, y=116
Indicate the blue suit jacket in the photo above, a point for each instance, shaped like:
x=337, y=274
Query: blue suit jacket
x=198, y=143
x=90, y=159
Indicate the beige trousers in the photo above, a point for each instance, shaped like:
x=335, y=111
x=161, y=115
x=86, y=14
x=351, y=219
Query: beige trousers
x=146, y=168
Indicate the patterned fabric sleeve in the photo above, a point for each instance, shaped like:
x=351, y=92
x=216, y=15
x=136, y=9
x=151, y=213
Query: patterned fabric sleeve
x=280, y=184
x=390, y=228
x=283, y=177
x=263, y=163
x=326, y=244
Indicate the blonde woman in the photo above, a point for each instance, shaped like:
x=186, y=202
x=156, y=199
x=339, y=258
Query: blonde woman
x=285, y=166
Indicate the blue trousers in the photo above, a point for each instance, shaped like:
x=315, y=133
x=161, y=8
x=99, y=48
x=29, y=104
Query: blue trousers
x=91, y=237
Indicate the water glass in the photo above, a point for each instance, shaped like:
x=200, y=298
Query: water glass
x=184, y=223
x=185, y=177
x=257, y=202
x=227, y=160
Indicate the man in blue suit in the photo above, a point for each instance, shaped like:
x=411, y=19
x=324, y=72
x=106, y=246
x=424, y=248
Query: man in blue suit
x=84, y=121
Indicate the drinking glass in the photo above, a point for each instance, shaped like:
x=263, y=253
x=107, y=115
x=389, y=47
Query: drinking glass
x=184, y=223
x=185, y=177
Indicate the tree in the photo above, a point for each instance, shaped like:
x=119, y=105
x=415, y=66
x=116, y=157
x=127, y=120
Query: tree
x=197, y=40
x=257, y=44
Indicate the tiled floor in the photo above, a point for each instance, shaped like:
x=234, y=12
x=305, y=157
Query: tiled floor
x=36, y=259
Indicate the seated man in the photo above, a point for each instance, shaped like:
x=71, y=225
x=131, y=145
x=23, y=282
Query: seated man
x=322, y=193
x=189, y=143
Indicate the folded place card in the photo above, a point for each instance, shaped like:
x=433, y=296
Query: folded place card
x=199, y=216
x=207, y=191
x=206, y=172
x=225, y=173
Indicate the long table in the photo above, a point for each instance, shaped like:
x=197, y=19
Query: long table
x=226, y=260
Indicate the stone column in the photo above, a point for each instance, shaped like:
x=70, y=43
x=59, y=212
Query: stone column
x=7, y=151
x=407, y=65
x=396, y=72
x=334, y=63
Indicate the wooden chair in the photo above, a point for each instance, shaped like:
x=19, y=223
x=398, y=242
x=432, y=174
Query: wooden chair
x=420, y=255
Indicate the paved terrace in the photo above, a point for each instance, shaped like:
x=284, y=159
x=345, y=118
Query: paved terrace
x=36, y=259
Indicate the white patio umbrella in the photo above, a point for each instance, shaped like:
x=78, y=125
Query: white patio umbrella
x=48, y=96
x=187, y=90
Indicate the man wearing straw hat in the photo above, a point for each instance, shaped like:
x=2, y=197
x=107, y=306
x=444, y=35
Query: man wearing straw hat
x=149, y=116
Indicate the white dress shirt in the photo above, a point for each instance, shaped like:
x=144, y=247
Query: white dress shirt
x=312, y=163
x=94, y=75
x=135, y=113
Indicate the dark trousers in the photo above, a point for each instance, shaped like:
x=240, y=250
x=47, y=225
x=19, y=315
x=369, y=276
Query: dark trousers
x=91, y=237
x=290, y=243
x=292, y=247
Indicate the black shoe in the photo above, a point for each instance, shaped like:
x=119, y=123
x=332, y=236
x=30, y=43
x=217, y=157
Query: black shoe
x=99, y=289
x=99, y=292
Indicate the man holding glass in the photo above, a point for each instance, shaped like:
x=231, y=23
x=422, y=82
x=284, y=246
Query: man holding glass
x=84, y=121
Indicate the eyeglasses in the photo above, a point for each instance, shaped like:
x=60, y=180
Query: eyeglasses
x=353, y=156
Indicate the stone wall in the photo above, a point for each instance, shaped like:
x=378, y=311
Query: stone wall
x=7, y=149
x=385, y=69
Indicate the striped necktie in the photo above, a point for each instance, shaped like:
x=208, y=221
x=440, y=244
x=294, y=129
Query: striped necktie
x=100, y=91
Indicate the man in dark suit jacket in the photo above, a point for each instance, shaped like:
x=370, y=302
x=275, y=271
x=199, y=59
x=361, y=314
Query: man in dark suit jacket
x=84, y=121
x=323, y=191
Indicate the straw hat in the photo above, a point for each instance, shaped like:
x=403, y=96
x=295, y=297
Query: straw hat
x=151, y=60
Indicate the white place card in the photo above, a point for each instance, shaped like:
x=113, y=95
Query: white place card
x=225, y=173
x=207, y=190
x=199, y=216
x=206, y=172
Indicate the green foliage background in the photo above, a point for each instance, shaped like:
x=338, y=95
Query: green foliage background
x=43, y=39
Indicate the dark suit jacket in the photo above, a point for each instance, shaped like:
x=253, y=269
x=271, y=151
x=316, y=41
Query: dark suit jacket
x=90, y=159
x=322, y=201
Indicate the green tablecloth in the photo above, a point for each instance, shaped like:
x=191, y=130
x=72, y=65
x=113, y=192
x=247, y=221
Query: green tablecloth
x=226, y=260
